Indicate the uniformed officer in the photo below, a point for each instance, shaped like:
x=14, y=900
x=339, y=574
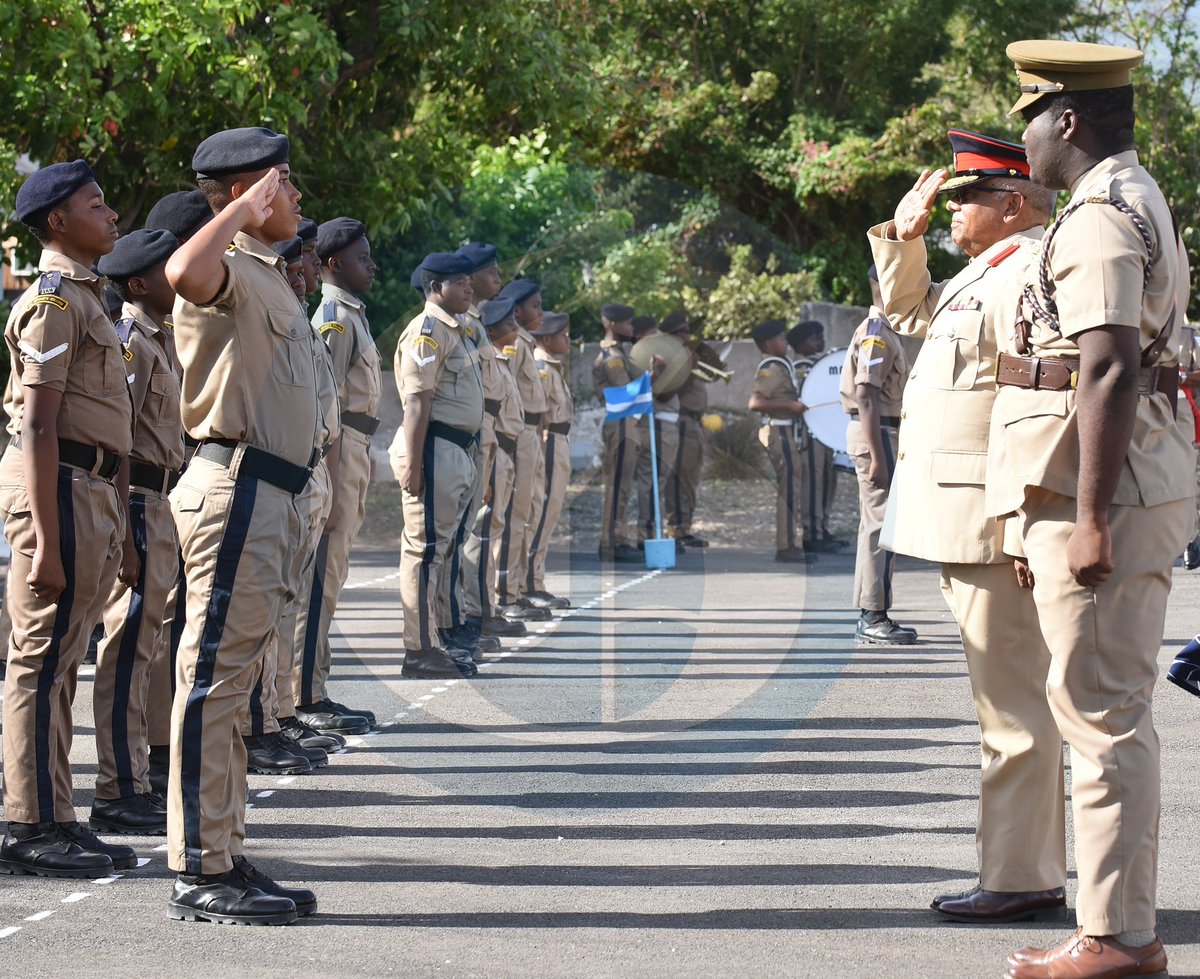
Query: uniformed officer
x=347, y=275
x=133, y=618
x=293, y=264
x=1086, y=452
x=936, y=508
x=807, y=341
x=777, y=401
x=553, y=339
x=525, y=507
x=250, y=396
x=182, y=213
x=872, y=384
x=622, y=439
x=683, y=484
x=666, y=444
x=307, y=231
x=71, y=425
x=441, y=390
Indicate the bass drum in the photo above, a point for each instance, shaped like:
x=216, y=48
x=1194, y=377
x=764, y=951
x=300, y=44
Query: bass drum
x=825, y=417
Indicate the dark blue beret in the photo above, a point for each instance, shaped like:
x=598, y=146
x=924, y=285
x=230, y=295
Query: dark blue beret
x=307, y=230
x=617, y=312
x=415, y=281
x=289, y=250
x=337, y=234
x=496, y=311
x=519, y=290
x=768, y=331
x=445, y=264
x=137, y=252
x=52, y=185
x=552, y=325
x=182, y=213
x=239, y=151
x=482, y=256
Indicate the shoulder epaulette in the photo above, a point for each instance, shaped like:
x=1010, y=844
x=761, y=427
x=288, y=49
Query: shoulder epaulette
x=427, y=326
x=875, y=326
x=1001, y=256
x=329, y=310
x=124, y=327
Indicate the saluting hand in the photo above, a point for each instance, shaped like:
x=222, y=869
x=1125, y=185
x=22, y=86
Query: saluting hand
x=912, y=213
x=1090, y=555
x=257, y=200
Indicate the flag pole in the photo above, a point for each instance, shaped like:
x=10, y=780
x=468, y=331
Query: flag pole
x=654, y=476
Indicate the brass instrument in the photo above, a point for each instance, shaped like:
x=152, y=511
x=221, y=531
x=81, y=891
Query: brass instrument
x=676, y=358
x=710, y=365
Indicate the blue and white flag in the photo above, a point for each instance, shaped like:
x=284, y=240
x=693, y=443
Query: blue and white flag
x=635, y=398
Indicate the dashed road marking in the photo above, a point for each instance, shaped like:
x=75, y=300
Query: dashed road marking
x=40, y=916
x=264, y=794
x=10, y=930
x=76, y=897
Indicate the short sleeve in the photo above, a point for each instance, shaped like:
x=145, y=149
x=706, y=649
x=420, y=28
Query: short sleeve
x=47, y=338
x=338, y=335
x=1098, y=259
x=765, y=382
x=874, y=358
x=423, y=352
x=232, y=292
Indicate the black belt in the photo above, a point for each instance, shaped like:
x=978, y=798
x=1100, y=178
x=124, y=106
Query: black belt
x=888, y=421
x=360, y=421
x=83, y=457
x=506, y=442
x=190, y=442
x=151, y=477
x=559, y=428
x=491, y=406
x=533, y=418
x=259, y=464
x=464, y=440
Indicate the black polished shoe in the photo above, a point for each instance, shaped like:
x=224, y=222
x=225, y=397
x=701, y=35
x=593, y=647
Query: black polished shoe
x=121, y=857
x=321, y=717
x=473, y=625
x=228, y=900
x=304, y=899
x=516, y=612
x=317, y=757
x=1191, y=554
x=489, y=644
x=294, y=728
x=497, y=626
x=543, y=599
x=43, y=850
x=460, y=644
x=160, y=767
x=266, y=754
x=876, y=628
x=434, y=663
x=345, y=711
x=691, y=540
x=138, y=815
x=620, y=554
x=795, y=555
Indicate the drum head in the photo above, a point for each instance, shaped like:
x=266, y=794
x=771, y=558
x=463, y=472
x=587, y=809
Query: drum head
x=825, y=417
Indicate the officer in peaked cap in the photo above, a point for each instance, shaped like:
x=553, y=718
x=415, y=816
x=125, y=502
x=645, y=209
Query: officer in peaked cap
x=1088, y=461
x=182, y=213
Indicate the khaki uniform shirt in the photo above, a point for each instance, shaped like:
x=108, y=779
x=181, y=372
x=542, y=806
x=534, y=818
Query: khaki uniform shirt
x=511, y=419
x=341, y=320
x=154, y=388
x=248, y=358
x=613, y=366
x=1096, y=261
x=775, y=380
x=559, y=406
x=936, y=505
x=693, y=396
x=525, y=370
x=875, y=357
x=436, y=354
x=493, y=382
x=59, y=337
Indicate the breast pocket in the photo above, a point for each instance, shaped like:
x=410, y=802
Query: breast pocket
x=162, y=398
x=952, y=355
x=103, y=360
x=369, y=363
x=291, y=358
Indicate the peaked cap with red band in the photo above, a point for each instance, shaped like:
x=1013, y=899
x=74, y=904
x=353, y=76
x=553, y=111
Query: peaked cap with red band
x=977, y=157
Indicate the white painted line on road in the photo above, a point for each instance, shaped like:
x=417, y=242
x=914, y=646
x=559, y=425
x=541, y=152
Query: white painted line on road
x=354, y=742
x=107, y=880
x=382, y=579
x=249, y=805
x=40, y=916
x=86, y=671
x=286, y=781
x=541, y=630
x=163, y=848
x=402, y=713
x=76, y=897
x=451, y=683
x=522, y=642
x=428, y=696
x=415, y=706
x=264, y=794
x=141, y=862
x=440, y=689
x=10, y=930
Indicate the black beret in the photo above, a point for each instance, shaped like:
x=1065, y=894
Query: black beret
x=675, y=321
x=519, y=290
x=289, y=250
x=239, y=151
x=182, y=213
x=333, y=236
x=616, y=312
x=496, y=311
x=768, y=331
x=643, y=325
x=803, y=330
x=552, y=324
x=482, y=256
x=137, y=252
x=52, y=185
x=444, y=264
x=415, y=281
x=307, y=230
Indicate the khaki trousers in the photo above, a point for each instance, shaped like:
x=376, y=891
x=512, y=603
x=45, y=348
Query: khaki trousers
x=816, y=499
x=1021, y=833
x=486, y=540
x=780, y=443
x=162, y=669
x=1104, y=646
x=622, y=444
x=872, y=565
x=666, y=444
x=557, y=476
x=49, y=640
x=683, y=485
x=133, y=622
x=239, y=538
x=273, y=697
x=330, y=569
x=459, y=594
x=431, y=522
x=523, y=507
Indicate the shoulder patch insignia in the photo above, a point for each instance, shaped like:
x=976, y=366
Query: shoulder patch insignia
x=545, y=373
x=614, y=362
x=50, y=283
x=330, y=327
x=873, y=341
x=49, y=301
x=510, y=350
x=764, y=373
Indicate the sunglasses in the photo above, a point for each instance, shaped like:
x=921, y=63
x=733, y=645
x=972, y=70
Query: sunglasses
x=967, y=194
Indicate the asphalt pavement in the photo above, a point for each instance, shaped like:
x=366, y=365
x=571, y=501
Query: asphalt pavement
x=691, y=773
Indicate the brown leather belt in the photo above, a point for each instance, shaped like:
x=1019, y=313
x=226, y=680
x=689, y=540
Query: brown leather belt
x=1062, y=374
